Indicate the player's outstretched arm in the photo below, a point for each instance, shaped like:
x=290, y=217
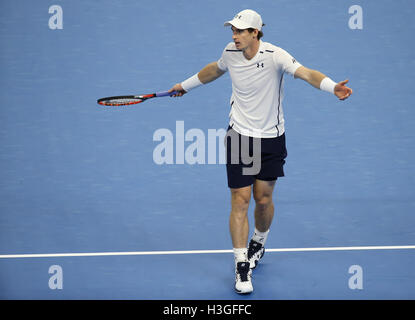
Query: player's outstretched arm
x=207, y=74
x=321, y=81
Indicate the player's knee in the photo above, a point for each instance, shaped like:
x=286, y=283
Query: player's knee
x=240, y=202
x=263, y=201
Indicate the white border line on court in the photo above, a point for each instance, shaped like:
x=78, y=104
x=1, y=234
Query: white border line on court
x=143, y=253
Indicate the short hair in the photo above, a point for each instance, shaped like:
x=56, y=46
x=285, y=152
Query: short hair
x=260, y=33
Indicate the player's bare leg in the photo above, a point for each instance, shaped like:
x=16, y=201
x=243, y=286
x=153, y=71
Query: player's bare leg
x=264, y=214
x=238, y=222
x=264, y=206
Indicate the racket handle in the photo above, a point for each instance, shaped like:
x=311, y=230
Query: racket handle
x=165, y=93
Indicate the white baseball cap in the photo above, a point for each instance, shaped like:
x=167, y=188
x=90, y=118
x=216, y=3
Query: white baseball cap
x=246, y=19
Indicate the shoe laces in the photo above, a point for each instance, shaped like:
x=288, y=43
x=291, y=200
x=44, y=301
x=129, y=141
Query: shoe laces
x=253, y=248
x=243, y=270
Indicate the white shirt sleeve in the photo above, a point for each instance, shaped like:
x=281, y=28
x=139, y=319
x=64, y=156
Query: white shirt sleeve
x=284, y=61
x=221, y=62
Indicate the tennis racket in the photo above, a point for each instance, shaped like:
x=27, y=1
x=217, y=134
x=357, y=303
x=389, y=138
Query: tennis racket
x=130, y=100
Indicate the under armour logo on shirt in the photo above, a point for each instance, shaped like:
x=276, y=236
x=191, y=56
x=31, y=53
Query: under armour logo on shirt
x=260, y=65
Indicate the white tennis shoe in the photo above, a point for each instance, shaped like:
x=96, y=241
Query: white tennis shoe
x=243, y=273
x=255, y=253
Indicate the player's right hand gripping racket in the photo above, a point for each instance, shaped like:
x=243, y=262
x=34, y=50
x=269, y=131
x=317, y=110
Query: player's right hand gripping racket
x=130, y=100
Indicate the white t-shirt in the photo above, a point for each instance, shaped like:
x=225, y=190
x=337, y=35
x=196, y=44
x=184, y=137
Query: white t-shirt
x=257, y=89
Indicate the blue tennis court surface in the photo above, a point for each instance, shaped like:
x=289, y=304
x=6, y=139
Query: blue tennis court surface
x=79, y=178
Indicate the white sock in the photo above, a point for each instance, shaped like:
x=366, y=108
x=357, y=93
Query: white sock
x=240, y=254
x=260, y=237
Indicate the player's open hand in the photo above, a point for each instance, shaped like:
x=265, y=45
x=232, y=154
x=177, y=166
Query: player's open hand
x=179, y=89
x=341, y=91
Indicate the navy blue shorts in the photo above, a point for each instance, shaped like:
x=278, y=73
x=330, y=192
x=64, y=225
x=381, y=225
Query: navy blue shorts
x=246, y=162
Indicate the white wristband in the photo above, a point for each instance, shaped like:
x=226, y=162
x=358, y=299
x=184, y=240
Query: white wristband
x=327, y=85
x=191, y=83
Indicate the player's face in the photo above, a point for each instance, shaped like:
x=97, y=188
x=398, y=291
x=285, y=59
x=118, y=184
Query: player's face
x=242, y=38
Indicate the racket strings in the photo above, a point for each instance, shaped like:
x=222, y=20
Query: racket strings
x=129, y=100
x=120, y=102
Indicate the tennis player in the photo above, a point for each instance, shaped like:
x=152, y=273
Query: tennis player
x=257, y=71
